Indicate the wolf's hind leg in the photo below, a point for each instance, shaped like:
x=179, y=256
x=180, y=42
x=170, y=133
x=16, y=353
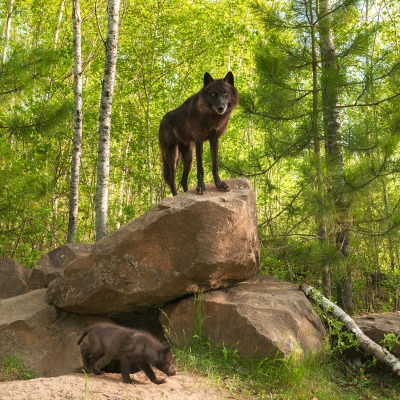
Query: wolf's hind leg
x=93, y=364
x=170, y=160
x=186, y=151
x=87, y=361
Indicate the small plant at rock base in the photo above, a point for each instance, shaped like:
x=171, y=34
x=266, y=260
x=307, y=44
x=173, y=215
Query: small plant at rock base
x=340, y=339
x=12, y=368
x=390, y=340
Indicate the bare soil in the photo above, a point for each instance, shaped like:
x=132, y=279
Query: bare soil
x=110, y=387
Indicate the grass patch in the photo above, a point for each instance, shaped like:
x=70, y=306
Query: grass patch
x=285, y=379
x=329, y=377
x=12, y=369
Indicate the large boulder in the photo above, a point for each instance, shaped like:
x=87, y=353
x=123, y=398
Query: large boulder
x=261, y=317
x=184, y=244
x=43, y=337
x=51, y=265
x=376, y=326
x=13, y=278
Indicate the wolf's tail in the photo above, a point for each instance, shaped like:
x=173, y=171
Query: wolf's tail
x=84, y=334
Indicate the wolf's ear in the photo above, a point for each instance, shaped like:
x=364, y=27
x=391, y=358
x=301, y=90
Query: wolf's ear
x=229, y=78
x=208, y=79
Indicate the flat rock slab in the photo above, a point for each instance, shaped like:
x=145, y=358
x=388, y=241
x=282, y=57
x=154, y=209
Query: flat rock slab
x=261, y=317
x=376, y=326
x=185, y=244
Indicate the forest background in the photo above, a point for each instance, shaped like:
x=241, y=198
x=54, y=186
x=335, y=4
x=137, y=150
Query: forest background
x=317, y=131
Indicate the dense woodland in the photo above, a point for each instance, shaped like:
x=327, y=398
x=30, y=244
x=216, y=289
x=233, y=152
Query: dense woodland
x=317, y=130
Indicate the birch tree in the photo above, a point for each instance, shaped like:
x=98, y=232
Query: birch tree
x=59, y=19
x=108, y=83
x=6, y=30
x=77, y=141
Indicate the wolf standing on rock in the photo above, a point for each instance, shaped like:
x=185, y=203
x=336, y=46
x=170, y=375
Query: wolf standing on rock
x=204, y=116
x=130, y=346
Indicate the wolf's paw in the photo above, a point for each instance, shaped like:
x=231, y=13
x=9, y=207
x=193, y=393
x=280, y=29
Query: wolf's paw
x=97, y=371
x=159, y=381
x=200, y=189
x=222, y=186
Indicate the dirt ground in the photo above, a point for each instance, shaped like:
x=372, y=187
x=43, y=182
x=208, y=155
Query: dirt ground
x=110, y=386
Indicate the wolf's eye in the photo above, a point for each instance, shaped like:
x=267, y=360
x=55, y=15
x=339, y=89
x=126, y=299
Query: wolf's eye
x=214, y=94
x=225, y=94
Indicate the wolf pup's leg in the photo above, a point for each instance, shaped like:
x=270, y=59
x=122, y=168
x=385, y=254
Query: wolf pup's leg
x=214, y=158
x=87, y=363
x=125, y=370
x=146, y=368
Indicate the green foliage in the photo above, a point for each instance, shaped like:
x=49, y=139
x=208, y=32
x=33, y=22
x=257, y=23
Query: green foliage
x=340, y=338
x=12, y=369
x=391, y=340
x=275, y=138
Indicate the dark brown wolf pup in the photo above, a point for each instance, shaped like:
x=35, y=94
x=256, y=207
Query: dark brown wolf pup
x=204, y=116
x=129, y=346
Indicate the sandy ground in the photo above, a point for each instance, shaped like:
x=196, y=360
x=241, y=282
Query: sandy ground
x=110, y=386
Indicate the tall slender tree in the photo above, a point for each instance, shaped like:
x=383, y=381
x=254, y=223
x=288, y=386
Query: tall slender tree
x=330, y=87
x=107, y=90
x=77, y=141
x=6, y=29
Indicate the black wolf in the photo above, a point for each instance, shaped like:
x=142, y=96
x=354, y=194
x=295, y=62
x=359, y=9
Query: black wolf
x=129, y=346
x=204, y=116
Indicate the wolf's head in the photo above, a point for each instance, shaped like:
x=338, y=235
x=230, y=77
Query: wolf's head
x=166, y=361
x=220, y=94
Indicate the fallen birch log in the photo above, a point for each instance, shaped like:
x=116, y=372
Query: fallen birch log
x=365, y=342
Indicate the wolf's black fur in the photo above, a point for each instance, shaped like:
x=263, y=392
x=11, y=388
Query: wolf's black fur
x=129, y=346
x=203, y=116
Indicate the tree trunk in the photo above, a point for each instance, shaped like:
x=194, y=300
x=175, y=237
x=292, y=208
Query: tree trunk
x=6, y=31
x=77, y=144
x=319, y=186
x=59, y=19
x=333, y=148
x=103, y=163
x=365, y=342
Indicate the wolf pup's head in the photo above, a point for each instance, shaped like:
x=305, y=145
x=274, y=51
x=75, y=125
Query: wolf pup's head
x=220, y=94
x=166, y=361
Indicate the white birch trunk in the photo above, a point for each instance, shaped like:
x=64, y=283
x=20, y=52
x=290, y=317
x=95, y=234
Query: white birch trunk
x=365, y=342
x=6, y=31
x=59, y=19
x=77, y=144
x=103, y=163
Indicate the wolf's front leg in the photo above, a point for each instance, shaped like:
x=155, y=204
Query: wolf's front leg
x=201, y=188
x=146, y=368
x=220, y=185
x=125, y=370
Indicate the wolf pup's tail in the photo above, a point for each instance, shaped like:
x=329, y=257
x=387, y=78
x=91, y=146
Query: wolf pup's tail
x=84, y=334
